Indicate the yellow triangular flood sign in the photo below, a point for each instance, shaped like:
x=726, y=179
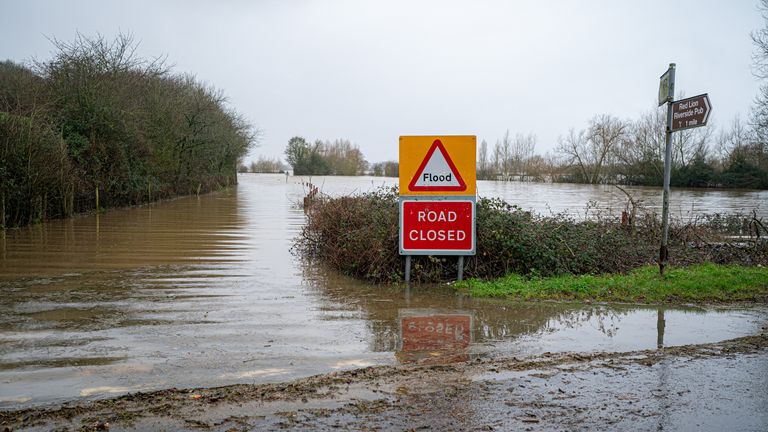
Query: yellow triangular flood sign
x=437, y=172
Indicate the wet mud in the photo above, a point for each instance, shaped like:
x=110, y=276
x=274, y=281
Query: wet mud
x=716, y=386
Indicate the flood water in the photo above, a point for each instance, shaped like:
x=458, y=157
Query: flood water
x=204, y=291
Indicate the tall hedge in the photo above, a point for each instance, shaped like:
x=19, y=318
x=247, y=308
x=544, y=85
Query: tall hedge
x=98, y=117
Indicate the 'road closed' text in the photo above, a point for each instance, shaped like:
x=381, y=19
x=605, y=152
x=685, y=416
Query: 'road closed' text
x=441, y=235
x=437, y=227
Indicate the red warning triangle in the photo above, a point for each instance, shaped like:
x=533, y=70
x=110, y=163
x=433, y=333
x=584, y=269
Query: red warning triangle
x=437, y=172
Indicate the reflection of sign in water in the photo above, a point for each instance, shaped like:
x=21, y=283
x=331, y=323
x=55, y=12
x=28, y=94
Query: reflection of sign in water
x=429, y=336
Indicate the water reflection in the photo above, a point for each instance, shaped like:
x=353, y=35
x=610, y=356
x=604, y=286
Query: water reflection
x=503, y=328
x=661, y=324
x=428, y=336
x=206, y=230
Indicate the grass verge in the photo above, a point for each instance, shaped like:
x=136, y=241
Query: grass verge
x=702, y=283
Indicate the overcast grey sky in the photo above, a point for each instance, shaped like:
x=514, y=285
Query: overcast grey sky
x=370, y=71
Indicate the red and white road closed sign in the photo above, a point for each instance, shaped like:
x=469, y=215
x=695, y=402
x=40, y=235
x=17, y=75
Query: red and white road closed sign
x=437, y=227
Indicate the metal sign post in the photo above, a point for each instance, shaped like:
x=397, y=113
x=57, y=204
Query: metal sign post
x=664, y=250
x=407, y=268
x=681, y=114
x=437, y=197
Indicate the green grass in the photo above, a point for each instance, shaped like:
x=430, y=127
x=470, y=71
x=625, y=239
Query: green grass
x=704, y=283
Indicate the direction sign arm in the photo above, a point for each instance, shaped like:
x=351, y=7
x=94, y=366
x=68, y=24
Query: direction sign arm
x=707, y=106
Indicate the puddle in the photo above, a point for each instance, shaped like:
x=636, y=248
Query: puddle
x=708, y=393
x=204, y=291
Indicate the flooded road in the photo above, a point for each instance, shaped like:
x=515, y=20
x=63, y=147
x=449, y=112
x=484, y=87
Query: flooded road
x=203, y=291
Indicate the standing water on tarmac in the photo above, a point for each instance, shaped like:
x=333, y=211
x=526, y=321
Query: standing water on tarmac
x=204, y=291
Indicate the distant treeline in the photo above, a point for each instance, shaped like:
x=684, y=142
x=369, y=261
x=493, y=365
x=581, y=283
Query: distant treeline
x=608, y=151
x=632, y=152
x=264, y=165
x=386, y=169
x=96, y=122
x=339, y=157
x=615, y=151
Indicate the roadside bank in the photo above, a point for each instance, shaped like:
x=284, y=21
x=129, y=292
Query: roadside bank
x=705, y=387
x=700, y=284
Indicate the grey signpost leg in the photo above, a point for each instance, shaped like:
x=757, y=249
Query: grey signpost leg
x=407, y=269
x=461, y=267
x=664, y=250
x=408, y=295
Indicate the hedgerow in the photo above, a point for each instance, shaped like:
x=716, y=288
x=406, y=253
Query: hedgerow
x=358, y=236
x=99, y=126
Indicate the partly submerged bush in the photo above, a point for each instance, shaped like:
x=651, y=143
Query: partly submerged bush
x=358, y=236
x=355, y=235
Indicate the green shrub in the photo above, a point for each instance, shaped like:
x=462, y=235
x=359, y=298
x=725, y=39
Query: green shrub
x=34, y=172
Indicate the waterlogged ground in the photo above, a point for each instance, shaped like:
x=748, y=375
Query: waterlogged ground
x=719, y=386
x=204, y=292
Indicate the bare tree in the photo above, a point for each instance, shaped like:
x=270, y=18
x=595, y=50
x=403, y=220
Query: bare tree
x=522, y=150
x=734, y=138
x=688, y=144
x=759, y=115
x=540, y=168
x=482, y=156
x=574, y=148
x=605, y=134
x=498, y=159
x=344, y=158
x=591, y=150
x=267, y=165
x=505, y=154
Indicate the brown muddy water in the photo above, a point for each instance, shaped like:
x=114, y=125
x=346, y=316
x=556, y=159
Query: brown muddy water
x=204, y=291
